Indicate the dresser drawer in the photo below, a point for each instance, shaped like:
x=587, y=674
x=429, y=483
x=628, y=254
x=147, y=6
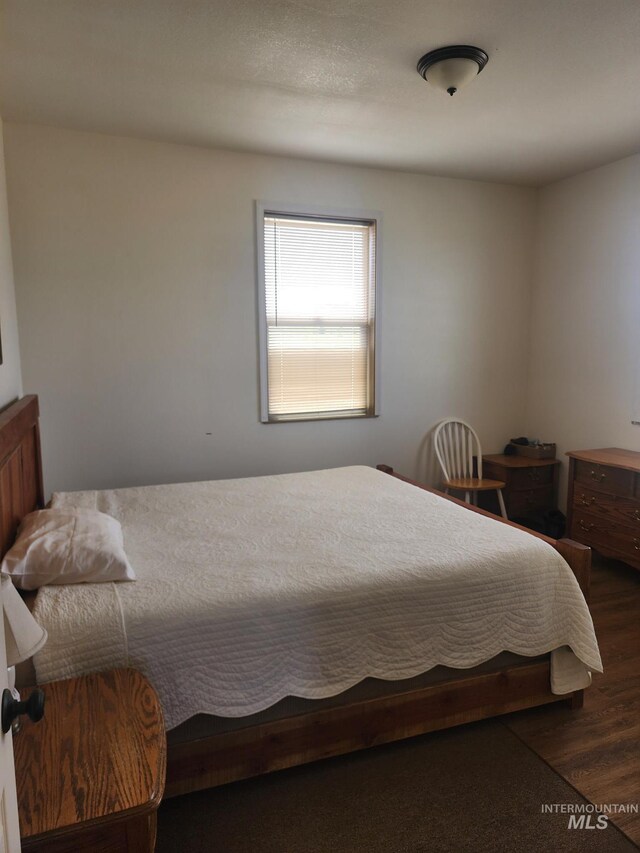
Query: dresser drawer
x=600, y=531
x=612, y=508
x=532, y=500
x=605, y=478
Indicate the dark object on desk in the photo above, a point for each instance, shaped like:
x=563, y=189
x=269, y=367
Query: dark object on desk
x=511, y=448
x=531, y=449
x=536, y=451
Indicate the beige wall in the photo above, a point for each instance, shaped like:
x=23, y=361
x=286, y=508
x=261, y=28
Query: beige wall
x=135, y=270
x=10, y=380
x=585, y=352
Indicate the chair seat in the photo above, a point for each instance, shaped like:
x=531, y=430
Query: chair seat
x=473, y=484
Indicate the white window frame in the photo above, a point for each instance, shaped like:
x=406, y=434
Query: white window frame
x=312, y=211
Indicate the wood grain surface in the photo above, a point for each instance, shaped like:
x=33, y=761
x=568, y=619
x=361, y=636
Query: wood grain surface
x=519, y=461
x=617, y=508
x=97, y=757
x=616, y=456
x=472, y=484
x=21, y=488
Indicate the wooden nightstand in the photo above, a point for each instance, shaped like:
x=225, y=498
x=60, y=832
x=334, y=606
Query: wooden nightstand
x=531, y=484
x=91, y=774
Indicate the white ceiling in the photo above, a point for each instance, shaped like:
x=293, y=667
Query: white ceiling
x=336, y=80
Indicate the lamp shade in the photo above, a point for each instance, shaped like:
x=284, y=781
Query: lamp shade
x=22, y=635
x=451, y=75
x=451, y=68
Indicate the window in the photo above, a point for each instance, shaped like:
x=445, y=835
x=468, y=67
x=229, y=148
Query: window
x=317, y=280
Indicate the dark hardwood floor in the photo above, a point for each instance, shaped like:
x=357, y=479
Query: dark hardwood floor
x=597, y=748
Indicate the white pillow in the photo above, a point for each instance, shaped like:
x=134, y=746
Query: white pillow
x=59, y=546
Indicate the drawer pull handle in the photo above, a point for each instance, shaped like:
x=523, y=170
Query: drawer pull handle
x=534, y=474
x=585, y=527
x=636, y=545
x=585, y=501
x=598, y=477
x=636, y=514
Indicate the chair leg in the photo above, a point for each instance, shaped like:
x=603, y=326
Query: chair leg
x=503, y=510
x=467, y=496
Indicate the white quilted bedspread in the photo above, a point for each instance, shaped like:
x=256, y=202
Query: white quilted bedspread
x=304, y=584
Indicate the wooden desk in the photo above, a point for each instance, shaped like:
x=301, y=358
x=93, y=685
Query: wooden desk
x=531, y=484
x=91, y=774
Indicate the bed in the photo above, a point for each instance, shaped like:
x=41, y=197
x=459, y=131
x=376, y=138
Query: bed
x=283, y=619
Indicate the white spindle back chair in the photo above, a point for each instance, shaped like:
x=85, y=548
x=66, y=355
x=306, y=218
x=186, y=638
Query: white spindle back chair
x=456, y=443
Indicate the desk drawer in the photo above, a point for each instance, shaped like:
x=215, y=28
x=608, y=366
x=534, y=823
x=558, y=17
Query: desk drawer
x=530, y=478
x=604, y=478
x=525, y=502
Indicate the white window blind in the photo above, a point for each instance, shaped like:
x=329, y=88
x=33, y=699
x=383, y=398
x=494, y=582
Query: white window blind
x=319, y=298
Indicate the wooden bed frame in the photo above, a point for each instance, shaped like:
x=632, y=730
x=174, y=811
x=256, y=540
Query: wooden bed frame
x=262, y=748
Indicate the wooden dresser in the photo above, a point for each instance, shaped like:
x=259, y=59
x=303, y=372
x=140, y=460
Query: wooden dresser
x=603, y=502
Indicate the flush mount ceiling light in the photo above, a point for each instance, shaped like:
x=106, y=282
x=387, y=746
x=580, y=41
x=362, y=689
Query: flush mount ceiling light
x=451, y=68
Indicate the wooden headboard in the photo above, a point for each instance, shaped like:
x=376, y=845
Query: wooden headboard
x=21, y=488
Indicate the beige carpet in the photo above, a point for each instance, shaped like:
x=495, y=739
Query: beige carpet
x=475, y=788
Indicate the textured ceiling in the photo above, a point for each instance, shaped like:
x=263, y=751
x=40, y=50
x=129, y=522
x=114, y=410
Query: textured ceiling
x=336, y=80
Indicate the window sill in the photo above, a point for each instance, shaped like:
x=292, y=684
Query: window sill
x=329, y=416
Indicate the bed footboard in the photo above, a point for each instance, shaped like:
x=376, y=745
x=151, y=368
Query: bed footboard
x=263, y=748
